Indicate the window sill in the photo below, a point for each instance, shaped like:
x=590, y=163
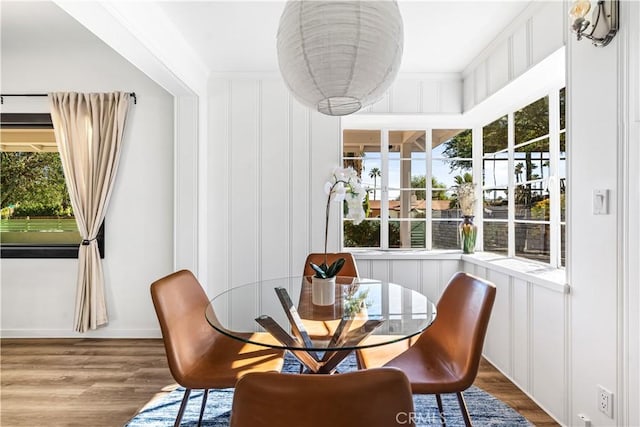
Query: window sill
x=540, y=274
x=529, y=271
x=403, y=255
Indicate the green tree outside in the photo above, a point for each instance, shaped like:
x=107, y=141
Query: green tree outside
x=420, y=182
x=32, y=183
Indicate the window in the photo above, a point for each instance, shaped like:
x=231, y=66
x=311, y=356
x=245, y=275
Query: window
x=524, y=182
x=37, y=219
x=518, y=161
x=409, y=175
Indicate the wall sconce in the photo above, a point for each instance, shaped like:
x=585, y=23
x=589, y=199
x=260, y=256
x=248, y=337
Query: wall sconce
x=604, y=21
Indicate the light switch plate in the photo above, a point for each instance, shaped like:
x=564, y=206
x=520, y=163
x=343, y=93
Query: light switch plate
x=600, y=202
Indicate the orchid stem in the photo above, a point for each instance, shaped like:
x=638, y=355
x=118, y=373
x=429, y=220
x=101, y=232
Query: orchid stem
x=326, y=222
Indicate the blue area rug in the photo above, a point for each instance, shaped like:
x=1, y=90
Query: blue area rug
x=485, y=410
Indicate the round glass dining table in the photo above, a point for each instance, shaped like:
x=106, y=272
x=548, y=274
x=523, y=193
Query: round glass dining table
x=365, y=313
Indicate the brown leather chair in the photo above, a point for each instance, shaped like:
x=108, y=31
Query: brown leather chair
x=374, y=398
x=446, y=356
x=199, y=357
x=349, y=269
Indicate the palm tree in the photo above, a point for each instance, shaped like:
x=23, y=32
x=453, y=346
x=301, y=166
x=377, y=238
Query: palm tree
x=374, y=173
x=518, y=171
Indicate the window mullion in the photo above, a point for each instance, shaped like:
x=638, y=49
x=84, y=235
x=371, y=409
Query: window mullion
x=476, y=162
x=511, y=213
x=554, y=182
x=428, y=194
x=384, y=200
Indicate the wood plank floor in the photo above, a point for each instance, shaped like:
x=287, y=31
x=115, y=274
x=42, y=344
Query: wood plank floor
x=104, y=382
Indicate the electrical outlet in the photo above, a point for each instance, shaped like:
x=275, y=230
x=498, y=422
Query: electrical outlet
x=605, y=401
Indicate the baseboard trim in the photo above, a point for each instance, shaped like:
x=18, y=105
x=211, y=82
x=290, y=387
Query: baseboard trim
x=64, y=333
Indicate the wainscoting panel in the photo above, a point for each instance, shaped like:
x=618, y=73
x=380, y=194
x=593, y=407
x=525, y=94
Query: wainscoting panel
x=481, y=90
x=498, y=62
x=300, y=187
x=274, y=192
x=438, y=93
x=447, y=269
x=521, y=312
x=406, y=96
x=450, y=96
x=547, y=31
x=498, y=346
x=428, y=276
x=267, y=164
x=430, y=96
x=379, y=269
x=468, y=96
x=244, y=180
x=324, y=157
x=536, y=34
x=383, y=105
x=526, y=338
x=548, y=351
x=406, y=273
x=520, y=58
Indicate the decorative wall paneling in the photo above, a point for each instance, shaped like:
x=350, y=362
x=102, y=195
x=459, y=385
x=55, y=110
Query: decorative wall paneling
x=428, y=276
x=185, y=228
x=630, y=158
x=409, y=94
x=268, y=162
x=538, y=32
x=526, y=338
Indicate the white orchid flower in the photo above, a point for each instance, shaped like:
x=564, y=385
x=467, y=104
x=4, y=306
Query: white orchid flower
x=339, y=192
x=355, y=210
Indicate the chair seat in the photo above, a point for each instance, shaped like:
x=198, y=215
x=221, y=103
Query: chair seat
x=377, y=357
x=429, y=375
x=229, y=359
x=428, y=372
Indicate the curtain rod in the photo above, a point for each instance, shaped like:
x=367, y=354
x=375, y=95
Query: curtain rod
x=132, y=94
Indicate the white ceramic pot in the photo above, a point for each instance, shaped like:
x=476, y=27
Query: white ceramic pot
x=323, y=291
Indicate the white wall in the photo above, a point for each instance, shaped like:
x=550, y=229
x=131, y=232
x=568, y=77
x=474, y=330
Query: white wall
x=603, y=254
x=38, y=295
x=422, y=93
x=534, y=35
x=268, y=160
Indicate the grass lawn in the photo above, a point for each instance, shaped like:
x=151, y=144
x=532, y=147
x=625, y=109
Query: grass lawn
x=39, y=230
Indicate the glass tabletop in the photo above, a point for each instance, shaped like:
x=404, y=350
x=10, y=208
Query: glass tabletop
x=366, y=313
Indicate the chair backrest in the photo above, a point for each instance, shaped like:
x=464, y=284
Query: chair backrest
x=374, y=398
x=180, y=303
x=349, y=269
x=461, y=324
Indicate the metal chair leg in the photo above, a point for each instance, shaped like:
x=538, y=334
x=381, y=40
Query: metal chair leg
x=204, y=403
x=463, y=409
x=183, y=406
x=440, y=410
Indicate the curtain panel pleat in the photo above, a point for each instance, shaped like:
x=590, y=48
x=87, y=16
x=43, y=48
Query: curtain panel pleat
x=88, y=129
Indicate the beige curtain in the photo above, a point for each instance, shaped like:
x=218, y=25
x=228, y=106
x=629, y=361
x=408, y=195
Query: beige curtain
x=88, y=129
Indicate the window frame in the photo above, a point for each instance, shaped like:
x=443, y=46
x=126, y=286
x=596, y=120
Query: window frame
x=387, y=123
x=384, y=188
x=36, y=250
x=553, y=181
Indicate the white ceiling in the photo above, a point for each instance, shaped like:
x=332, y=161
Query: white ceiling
x=440, y=36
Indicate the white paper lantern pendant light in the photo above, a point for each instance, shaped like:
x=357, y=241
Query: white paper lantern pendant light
x=339, y=56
